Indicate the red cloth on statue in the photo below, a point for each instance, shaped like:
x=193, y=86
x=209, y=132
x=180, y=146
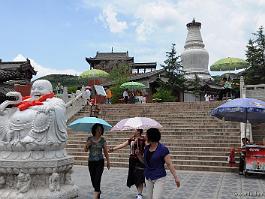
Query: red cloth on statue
x=26, y=104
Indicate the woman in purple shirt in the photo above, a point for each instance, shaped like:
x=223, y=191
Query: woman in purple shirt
x=155, y=157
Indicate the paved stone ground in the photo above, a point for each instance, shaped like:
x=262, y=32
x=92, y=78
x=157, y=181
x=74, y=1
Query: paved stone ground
x=194, y=185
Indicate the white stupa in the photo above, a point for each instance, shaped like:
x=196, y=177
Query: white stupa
x=195, y=58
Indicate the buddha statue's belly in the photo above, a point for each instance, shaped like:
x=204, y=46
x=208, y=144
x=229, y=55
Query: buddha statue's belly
x=29, y=119
x=22, y=119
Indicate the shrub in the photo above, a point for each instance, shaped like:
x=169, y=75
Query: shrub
x=164, y=94
x=72, y=89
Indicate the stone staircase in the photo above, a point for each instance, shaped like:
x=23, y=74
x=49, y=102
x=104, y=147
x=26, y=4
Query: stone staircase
x=196, y=140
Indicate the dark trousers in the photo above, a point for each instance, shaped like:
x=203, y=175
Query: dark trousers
x=96, y=169
x=126, y=99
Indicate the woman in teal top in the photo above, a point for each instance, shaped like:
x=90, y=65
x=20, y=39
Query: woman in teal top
x=96, y=145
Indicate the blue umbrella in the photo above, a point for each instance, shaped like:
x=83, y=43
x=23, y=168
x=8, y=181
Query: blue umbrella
x=86, y=123
x=241, y=110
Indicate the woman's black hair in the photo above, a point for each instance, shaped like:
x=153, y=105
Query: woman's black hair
x=94, y=127
x=153, y=135
x=141, y=131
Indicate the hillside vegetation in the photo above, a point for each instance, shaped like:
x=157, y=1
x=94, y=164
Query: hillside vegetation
x=70, y=81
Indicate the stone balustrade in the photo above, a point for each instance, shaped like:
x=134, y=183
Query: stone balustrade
x=252, y=91
x=74, y=102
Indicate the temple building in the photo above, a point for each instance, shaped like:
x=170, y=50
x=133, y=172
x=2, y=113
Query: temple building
x=195, y=58
x=15, y=76
x=108, y=60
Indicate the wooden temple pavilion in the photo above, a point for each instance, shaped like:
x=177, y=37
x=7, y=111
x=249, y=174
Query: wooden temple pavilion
x=108, y=60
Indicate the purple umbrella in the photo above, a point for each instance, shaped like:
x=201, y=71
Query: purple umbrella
x=136, y=123
x=241, y=110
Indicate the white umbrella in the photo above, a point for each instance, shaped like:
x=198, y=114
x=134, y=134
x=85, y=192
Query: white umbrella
x=136, y=123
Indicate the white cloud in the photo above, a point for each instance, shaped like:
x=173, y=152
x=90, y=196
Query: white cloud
x=155, y=17
x=226, y=24
x=109, y=17
x=43, y=71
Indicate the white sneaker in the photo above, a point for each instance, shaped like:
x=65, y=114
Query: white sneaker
x=139, y=196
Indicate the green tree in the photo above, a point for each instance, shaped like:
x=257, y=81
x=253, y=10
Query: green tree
x=164, y=95
x=174, y=70
x=255, y=74
x=118, y=76
x=70, y=81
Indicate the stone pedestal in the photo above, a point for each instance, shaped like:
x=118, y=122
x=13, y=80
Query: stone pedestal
x=36, y=174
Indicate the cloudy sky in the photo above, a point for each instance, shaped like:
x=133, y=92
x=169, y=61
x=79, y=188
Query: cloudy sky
x=58, y=34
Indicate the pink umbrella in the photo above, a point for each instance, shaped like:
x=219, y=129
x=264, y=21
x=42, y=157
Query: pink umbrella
x=136, y=123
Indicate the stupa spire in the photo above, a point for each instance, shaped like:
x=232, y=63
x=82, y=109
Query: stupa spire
x=195, y=58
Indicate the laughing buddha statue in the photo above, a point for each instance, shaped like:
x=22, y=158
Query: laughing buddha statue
x=37, y=122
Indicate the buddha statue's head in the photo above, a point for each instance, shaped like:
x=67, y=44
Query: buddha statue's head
x=40, y=87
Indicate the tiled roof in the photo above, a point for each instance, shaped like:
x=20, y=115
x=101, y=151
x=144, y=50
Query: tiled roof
x=104, y=55
x=145, y=65
x=146, y=75
x=14, y=66
x=10, y=65
x=16, y=70
x=110, y=56
x=140, y=76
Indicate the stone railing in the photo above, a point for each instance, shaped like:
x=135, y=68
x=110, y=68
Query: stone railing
x=74, y=102
x=250, y=91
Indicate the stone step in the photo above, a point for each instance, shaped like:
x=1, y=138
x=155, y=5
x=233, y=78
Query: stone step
x=116, y=141
x=155, y=107
x=125, y=152
x=158, y=105
x=123, y=137
x=121, y=157
x=173, y=104
x=184, y=132
x=116, y=118
x=175, y=156
x=168, y=136
x=178, y=167
x=172, y=148
x=168, y=120
x=167, y=142
x=153, y=112
x=171, y=144
x=170, y=116
x=175, y=162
